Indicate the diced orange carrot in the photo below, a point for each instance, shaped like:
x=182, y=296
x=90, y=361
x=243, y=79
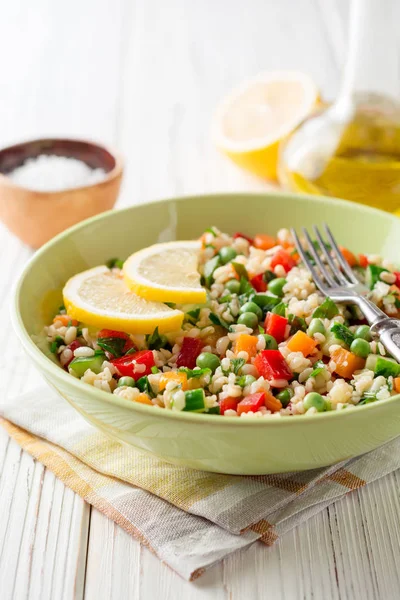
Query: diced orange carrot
x=396, y=383
x=179, y=377
x=246, y=343
x=144, y=399
x=301, y=342
x=264, y=241
x=65, y=320
x=346, y=362
x=272, y=403
x=349, y=256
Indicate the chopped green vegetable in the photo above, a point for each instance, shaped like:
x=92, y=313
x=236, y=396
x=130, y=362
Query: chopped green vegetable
x=56, y=344
x=144, y=385
x=155, y=370
x=269, y=276
x=193, y=315
x=53, y=347
x=170, y=304
x=190, y=373
x=371, y=362
x=367, y=398
x=81, y=364
x=386, y=367
x=61, y=308
x=296, y=324
x=209, y=269
x=314, y=400
x=217, y=320
x=195, y=400
x=155, y=341
x=240, y=270
x=237, y=364
x=266, y=302
x=225, y=299
x=115, y=263
x=113, y=345
x=245, y=380
x=214, y=410
x=245, y=287
x=341, y=332
x=319, y=367
x=210, y=230
x=327, y=310
x=279, y=309
x=270, y=342
x=372, y=275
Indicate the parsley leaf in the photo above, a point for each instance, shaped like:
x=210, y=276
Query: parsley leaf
x=155, y=341
x=327, y=310
x=113, y=345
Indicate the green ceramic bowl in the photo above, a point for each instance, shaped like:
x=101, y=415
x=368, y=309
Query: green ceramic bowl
x=212, y=443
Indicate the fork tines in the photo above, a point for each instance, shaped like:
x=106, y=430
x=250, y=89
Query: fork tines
x=329, y=273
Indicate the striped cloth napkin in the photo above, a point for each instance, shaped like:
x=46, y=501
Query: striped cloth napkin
x=189, y=519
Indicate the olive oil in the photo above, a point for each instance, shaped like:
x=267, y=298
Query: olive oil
x=351, y=149
x=361, y=163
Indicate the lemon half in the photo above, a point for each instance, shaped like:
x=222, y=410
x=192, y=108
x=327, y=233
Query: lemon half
x=100, y=297
x=255, y=117
x=166, y=273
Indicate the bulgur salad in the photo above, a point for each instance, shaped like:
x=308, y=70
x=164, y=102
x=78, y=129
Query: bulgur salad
x=266, y=343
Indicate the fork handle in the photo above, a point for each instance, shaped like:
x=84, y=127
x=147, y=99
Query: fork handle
x=386, y=328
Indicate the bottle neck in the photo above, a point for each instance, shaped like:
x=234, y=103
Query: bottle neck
x=373, y=63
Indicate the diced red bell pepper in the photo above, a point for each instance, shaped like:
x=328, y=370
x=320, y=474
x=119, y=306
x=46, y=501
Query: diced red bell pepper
x=107, y=333
x=72, y=346
x=275, y=325
x=259, y=283
x=283, y=258
x=127, y=365
x=363, y=261
x=270, y=364
x=252, y=403
x=397, y=275
x=245, y=237
x=228, y=404
x=191, y=348
x=111, y=333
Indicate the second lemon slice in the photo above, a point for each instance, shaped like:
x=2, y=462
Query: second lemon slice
x=166, y=273
x=100, y=297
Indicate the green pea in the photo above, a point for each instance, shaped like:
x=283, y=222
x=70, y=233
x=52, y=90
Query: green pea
x=248, y=380
x=363, y=332
x=276, y=286
x=270, y=342
x=252, y=307
x=285, y=396
x=314, y=400
x=126, y=381
x=249, y=319
x=316, y=326
x=227, y=254
x=233, y=286
x=360, y=347
x=207, y=360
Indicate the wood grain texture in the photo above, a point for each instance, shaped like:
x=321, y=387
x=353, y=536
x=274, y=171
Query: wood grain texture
x=146, y=75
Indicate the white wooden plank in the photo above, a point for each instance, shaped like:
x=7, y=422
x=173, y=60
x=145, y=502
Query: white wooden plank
x=159, y=581
x=113, y=561
x=61, y=71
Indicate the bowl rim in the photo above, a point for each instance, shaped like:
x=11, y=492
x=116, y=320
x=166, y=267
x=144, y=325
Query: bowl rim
x=57, y=373
x=115, y=172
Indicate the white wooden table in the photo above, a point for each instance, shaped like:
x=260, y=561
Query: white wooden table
x=144, y=76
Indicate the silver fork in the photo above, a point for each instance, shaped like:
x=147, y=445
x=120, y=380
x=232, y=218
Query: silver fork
x=341, y=284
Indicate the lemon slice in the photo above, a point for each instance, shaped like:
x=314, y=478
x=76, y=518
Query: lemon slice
x=253, y=119
x=166, y=273
x=100, y=297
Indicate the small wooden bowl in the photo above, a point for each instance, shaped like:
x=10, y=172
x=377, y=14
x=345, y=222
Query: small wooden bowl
x=36, y=216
